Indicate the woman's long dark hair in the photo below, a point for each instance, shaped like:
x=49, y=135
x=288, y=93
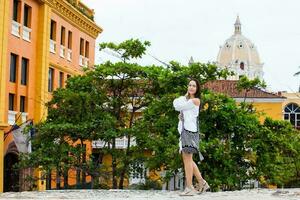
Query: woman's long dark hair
x=197, y=94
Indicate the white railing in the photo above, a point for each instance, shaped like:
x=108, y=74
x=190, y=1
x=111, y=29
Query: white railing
x=26, y=33
x=11, y=117
x=24, y=117
x=121, y=143
x=137, y=175
x=62, y=51
x=15, y=29
x=81, y=60
x=86, y=62
x=69, y=54
x=52, y=46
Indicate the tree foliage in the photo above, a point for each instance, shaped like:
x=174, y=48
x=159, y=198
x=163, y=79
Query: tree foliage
x=125, y=99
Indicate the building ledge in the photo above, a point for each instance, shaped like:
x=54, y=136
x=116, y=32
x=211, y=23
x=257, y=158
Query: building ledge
x=77, y=16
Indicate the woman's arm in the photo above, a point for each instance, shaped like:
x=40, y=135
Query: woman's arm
x=182, y=104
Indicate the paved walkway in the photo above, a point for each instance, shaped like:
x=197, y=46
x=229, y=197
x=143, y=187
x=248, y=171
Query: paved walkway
x=255, y=194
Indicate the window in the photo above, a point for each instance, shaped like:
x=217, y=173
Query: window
x=61, y=79
x=81, y=46
x=68, y=76
x=242, y=66
x=13, y=67
x=24, y=71
x=22, y=104
x=11, y=100
x=138, y=171
x=50, y=79
x=227, y=45
x=27, y=16
x=292, y=114
x=16, y=10
x=87, y=44
x=69, y=40
x=62, y=36
x=53, y=30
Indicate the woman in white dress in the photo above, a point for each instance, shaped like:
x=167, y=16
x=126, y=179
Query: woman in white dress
x=188, y=106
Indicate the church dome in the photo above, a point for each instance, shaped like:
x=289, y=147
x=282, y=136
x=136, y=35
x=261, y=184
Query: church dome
x=240, y=55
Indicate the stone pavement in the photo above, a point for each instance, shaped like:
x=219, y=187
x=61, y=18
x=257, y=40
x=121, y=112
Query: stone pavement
x=254, y=194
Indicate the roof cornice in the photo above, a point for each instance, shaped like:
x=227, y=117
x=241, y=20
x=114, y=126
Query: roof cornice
x=74, y=16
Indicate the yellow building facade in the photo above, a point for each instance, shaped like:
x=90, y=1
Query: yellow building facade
x=267, y=103
x=42, y=44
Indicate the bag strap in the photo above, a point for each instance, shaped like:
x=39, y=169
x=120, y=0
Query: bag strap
x=198, y=123
x=182, y=120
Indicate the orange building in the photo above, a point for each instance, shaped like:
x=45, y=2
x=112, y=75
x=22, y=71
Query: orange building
x=42, y=43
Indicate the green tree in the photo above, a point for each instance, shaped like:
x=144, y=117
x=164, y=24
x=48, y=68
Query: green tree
x=76, y=114
x=125, y=99
x=127, y=85
x=158, y=126
x=244, y=84
x=277, y=153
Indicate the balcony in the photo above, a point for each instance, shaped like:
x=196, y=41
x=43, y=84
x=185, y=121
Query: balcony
x=69, y=55
x=15, y=29
x=12, y=117
x=121, y=143
x=81, y=60
x=24, y=117
x=62, y=51
x=26, y=33
x=52, y=46
x=86, y=62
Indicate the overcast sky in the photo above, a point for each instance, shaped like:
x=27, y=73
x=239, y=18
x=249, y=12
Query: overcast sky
x=179, y=29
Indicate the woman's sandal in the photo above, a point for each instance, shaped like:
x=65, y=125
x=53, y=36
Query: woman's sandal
x=202, y=188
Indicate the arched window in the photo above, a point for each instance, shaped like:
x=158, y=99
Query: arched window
x=242, y=66
x=292, y=114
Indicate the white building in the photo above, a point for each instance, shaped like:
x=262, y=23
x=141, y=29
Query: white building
x=240, y=55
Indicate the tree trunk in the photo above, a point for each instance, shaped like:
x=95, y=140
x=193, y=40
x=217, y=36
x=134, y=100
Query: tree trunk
x=83, y=179
x=245, y=97
x=77, y=178
x=122, y=175
x=57, y=179
x=83, y=174
x=48, y=180
x=92, y=182
x=66, y=184
x=114, y=165
x=126, y=160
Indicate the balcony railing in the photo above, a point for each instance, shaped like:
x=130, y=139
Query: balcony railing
x=52, y=46
x=15, y=29
x=11, y=117
x=24, y=117
x=62, y=51
x=69, y=55
x=121, y=143
x=86, y=62
x=81, y=60
x=26, y=33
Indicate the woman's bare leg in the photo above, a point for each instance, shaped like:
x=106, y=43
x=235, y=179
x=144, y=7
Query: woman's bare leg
x=197, y=173
x=188, y=168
